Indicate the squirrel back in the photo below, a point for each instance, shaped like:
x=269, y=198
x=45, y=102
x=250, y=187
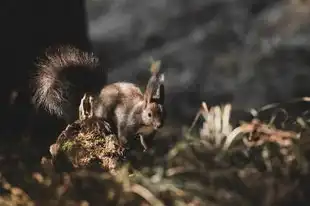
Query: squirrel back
x=64, y=75
x=117, y=94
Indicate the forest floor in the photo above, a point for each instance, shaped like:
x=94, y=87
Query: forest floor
x=212, y=163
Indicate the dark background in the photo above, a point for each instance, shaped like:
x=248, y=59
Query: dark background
x=248, y=52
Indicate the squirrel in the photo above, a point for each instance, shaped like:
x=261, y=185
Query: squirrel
x=132, y=112
x=66, y=74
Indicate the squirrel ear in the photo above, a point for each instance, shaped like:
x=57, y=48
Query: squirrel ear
x=150, y=88
x=155, y=87
x=161, y=78
x=147, y=95
x=159, y=91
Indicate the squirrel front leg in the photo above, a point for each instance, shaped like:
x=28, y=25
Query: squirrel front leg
x=121, y=133
x=121, y=125
x=143, y=143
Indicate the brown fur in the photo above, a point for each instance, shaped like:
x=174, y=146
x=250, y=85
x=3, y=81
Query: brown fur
x=123, y=104
x=64, y=75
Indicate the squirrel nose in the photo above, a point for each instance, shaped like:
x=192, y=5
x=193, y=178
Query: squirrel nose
x=158, y=125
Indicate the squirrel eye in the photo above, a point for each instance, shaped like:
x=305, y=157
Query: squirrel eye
x=149, y=114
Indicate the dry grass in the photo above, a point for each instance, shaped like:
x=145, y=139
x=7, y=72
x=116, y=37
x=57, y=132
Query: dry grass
x=252, y=164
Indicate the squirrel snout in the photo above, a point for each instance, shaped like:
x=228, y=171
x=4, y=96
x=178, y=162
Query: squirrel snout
x=158, y=125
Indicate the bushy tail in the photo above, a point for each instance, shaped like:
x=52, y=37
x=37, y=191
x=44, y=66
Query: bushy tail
x=64, y=74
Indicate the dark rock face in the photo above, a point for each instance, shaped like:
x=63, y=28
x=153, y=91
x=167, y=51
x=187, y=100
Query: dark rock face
x=247, y=52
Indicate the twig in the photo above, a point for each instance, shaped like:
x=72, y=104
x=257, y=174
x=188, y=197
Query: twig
x=176, y=170
x=146, y=194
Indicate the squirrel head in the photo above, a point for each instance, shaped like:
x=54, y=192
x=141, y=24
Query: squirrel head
x=153, y=113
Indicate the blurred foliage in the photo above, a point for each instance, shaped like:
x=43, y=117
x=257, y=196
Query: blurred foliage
x=213, y=164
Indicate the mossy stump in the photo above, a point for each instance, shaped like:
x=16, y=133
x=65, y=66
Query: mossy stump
x=87, y=143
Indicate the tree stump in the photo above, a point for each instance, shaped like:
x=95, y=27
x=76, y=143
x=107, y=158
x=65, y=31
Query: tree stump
x=87, y=143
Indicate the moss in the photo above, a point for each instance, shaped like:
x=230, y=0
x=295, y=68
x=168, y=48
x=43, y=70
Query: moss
x=194, y=172
x=67, y=146
x=90, y=142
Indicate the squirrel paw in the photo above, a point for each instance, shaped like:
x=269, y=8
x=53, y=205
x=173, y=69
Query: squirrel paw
x=86, y=107
x=122, y=141
x=143, y=143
